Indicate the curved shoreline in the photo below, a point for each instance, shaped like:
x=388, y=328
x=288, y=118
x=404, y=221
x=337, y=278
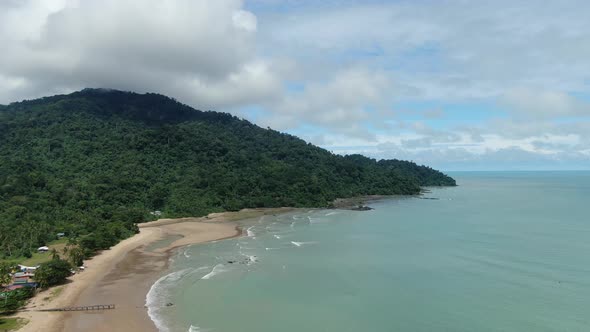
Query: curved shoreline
x=124, y=274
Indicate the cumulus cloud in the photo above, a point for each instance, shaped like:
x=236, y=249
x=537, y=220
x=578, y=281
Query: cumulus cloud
x=202, y=52
x=523, y=65
x=448, y=83
x=453, y=50
x=343, y=102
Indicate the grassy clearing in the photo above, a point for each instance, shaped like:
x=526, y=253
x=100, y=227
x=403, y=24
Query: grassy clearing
x=11, y=323
x=39, y=257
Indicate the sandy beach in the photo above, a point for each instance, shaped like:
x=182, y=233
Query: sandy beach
x=124, y=274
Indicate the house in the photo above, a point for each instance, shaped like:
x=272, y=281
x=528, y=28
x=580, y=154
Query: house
x=24, y=278
x=60, y=235
x=20, y=278
x=43, y=249
x=10, y=288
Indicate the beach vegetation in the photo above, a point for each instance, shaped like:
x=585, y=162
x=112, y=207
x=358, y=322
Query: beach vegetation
x=11, y=301
x=94, y=163
x=12, y=323
x=5, y=269
x=75, y=255
x=52, y=273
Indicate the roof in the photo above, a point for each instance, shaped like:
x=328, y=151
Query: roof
x=23, y=274
x=24, y=267
x=13, y=287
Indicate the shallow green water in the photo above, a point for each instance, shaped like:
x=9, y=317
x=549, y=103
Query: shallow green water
x=501, y=252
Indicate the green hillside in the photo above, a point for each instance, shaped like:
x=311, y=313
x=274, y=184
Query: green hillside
x=94, y=162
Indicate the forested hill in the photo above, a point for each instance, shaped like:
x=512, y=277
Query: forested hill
x=94, y=162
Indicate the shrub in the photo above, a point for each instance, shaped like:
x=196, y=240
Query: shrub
x=53, y=272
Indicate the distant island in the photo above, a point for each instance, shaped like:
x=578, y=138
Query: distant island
x=92, y=164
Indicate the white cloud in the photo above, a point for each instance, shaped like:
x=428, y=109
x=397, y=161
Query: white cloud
x=197, y=51
x=332, y=70
x=544, y=103
x=518, y=55
x=451, y=50
x=340, y=103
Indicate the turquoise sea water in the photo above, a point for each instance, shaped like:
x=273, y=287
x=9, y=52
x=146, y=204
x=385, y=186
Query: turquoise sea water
x=501, y=252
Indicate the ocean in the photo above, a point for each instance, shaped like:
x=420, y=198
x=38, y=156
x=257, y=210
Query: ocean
x=503, y=251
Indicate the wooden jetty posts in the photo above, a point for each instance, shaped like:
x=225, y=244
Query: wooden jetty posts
x=84, y=308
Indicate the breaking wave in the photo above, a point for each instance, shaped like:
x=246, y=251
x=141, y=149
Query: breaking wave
x=217, y=269
x=159, y=295
x=301, y=244
x=194, y=328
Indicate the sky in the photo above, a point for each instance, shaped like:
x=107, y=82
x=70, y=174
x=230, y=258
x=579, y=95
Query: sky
x=457, y=85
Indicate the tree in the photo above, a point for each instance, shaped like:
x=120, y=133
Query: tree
x=94, y=163
x=54, y=254
x=53, y=272
x=5, y=269
x=75, y=256
x=15, y=299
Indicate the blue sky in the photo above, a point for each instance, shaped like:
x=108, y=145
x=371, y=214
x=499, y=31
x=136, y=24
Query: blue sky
x=459, y=85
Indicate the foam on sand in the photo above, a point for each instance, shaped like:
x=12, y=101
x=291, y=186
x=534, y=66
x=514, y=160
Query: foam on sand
x=158, y=295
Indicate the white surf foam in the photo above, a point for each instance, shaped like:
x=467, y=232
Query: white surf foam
x=194, y=328
x=252, y=259
x=277, y=236
x=185, y=253
x=158, y=295
x=249, y=232
x=301, y=244
x=217, y=269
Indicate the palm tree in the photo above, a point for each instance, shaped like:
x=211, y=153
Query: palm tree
x=5, y=269
x=54, y=254
x=76, y=256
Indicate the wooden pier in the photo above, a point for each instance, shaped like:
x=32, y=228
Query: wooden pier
x=84, y=308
